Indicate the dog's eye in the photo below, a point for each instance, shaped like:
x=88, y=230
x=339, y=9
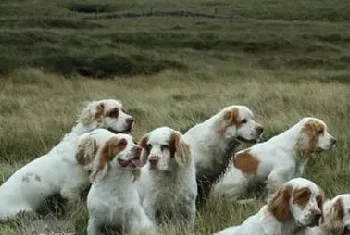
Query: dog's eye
x=149, y=146
x=162, y=147
x=320, y=132
x=244, y=121
x=114, y=113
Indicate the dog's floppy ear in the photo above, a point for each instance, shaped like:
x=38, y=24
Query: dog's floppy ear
x=93, y=111
x=108, y=152
x=334, y=219
x=178, y=148
x=86, y=151
x=307, y=142
x=279, y=204
x=145, y=148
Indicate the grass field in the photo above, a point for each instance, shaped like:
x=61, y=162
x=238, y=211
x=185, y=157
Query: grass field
x=284, y=59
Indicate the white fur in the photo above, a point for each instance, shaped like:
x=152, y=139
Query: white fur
x=279, y=161
x=212, y=149
x=331, y=224
x=58, y=172
x=168, y=186
x=265, y=223
x=113, y=198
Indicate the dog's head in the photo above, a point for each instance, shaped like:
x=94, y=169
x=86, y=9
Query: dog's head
x=239, y=122
x=336, y=214
x=164, y=149
x=299, y=200
x=313, y=136
x=107, y=114
x=101, y=149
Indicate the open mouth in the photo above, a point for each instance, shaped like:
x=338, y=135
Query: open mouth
x=132, y=163
x=126, y=131
x=240, y=138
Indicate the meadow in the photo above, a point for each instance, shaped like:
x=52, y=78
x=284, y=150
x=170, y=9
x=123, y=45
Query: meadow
x=174, y=63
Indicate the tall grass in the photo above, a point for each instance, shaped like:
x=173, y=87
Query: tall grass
x=38, y=108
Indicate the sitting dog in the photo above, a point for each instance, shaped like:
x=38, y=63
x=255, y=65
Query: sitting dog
x=62, y=170
x=297, y=204
x=167, y=184
x=336, y=217
x=278, y=160
x=213, y=143
x=113, y=198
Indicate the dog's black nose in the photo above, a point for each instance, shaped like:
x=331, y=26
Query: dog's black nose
x=259, y=130
x=333, y=141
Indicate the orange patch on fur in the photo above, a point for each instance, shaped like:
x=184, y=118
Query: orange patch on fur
x=311, y=130
x=230, y=118
x=279, y=205
x=246, y=162
x=110, y=150
x=143, y=143
x=99, y=112
x=301, y=196
x=176, y=145
x=86, y=151
x=338, y=209
x=320, y=201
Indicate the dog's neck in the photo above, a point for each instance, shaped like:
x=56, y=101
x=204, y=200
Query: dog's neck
x=117, y=178
x=288, y=140
x=272, y=226
x=81, y=129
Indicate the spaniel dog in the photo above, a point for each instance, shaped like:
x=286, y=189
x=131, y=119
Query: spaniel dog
x=60, y=171
x=213, y=142
x=167, y=184
x=278, y=160
x=113, y=199
x=296, y=205
x=336, y=217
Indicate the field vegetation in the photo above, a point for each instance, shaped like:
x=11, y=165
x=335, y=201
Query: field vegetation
x=174, y=63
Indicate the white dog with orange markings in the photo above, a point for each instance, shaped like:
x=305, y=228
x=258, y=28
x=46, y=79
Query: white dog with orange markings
x=336, y=217
x=276, y=161
x=63, y=170
x=296, y=205
x=113, y=199
x=167, y=184
x=213, y=143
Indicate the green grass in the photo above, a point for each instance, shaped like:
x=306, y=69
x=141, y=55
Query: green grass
x=284, y=59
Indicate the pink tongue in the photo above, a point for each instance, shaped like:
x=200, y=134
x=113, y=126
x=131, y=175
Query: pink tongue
x=123, y=163
x=136, y=162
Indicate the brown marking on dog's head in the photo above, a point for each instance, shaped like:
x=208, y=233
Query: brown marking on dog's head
x=108, y=152
x=320, y=200
x=334, y=220
x=301, y=196
x=279, y=205
x=246, y=162
x=310, y=132
x=113, y=113
x=178, y=149
x=146, y=149
x=230, y=118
